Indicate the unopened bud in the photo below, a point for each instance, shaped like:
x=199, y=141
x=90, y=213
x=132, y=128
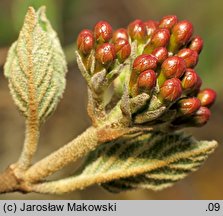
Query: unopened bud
x=85, y=41
x=190, y=57
x=188, y=106
x=198, y=119
x=201, y=117
x=146, y=81
x=160, y=38
x=181, y=34
x=151, y=26
x=105, y=54
x=207, y=97
x=168, y=22
x=102, y=32
x=144, y=62
x=190, y=80
x=161, y=54
x=122, y=49
x=196, y=44
x=173, y=66
x=137, y=30
x=120, y=34
x=141, y=63
x=170, y=90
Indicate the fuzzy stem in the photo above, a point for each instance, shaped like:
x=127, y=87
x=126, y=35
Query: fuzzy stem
x=75, y=149
x=8, y=181
x=30, y=145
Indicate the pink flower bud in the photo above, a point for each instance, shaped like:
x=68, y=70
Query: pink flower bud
x=171, y=90
x=190, y=57
x=85, y=41
x=105, y=54
x=207, y=97
x=188, y=106
x=181, y=34
x=144, y=62
x=120, y=33
x=122, y=49
x=173, y=67
x=151, y=26
x=190, y=80
x=141, y=63
x=146, y=81
x=168, y=22
x=160, y=38
x=137, y=30
x=197, y=119
x=201, y=117
x=102, y=32
x=196, y=44
x=161, y=54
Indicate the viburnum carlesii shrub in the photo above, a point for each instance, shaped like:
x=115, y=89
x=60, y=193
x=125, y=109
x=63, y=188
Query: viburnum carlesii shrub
x=142, y=88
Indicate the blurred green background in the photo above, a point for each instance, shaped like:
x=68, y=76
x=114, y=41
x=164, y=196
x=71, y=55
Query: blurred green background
x=69, y=17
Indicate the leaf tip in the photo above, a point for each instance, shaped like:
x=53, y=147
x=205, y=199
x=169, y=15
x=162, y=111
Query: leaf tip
x=30, y=11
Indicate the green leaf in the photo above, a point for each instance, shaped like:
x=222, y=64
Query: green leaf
x=36, y=67
x=153, y=161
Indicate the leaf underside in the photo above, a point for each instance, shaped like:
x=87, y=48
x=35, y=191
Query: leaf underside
x=36, y=67
x=150, y=161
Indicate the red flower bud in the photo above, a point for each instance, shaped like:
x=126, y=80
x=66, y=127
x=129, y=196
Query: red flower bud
x=161, y=54
x=207, y=97
x=181, y=33
x=173, y=67
x=146, y=81
x=171, y=90
x=196, y=44
x=168, y=22
x=122, y=49
x=201, y=117
x=102, y=32
x=190, y=57
x=188, y=106
x=137, y=30
x=141, y=63
x=198, y=119
x=191, y=80
x=85, y=41
x=160, y=38
x=151, y=26
x=105, y=54
x=120, y=33
x=144, y=62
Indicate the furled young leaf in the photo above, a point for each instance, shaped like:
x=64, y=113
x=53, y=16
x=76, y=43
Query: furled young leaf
x=36, y=67
x=153, y=161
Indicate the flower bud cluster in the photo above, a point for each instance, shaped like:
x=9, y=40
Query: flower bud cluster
x=105, y=45
x=165, y=69
x=162, y=56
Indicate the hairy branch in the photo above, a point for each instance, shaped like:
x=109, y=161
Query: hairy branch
x=8, y=181
x=30, y=146
x=62, y=157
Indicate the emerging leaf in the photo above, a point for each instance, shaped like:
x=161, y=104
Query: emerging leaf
x=153, y=161
x=36, y=67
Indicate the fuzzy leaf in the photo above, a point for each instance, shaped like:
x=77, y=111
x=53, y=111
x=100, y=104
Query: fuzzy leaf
x=36, y=67
x=153, y=161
